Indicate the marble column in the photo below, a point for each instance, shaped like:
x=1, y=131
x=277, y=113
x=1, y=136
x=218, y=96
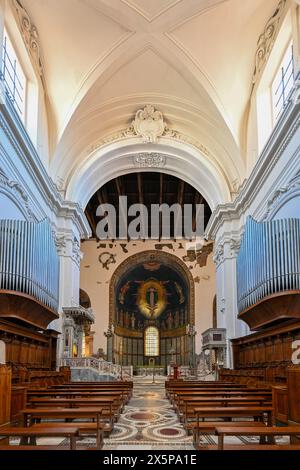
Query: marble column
x=68, y=249
x=226, y=278
x=110, y=339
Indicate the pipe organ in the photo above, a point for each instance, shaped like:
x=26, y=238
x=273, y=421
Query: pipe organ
x=29, y=292
x=268, y=272
x=28, y=260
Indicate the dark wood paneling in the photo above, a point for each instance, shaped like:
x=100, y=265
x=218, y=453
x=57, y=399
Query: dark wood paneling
x=293, y=380
x=5, y=393
x=274, y=308
x=280, y=403
x=18, y=401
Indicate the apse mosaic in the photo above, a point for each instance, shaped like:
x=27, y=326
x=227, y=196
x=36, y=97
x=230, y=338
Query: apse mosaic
x=152, y=292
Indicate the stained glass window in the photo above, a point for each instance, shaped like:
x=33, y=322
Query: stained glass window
x=151, y=341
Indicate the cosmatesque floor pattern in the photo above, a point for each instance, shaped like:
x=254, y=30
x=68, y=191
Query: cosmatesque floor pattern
x=148, y=421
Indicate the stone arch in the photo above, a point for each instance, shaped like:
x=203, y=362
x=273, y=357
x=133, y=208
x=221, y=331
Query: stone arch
x=84, y=299
x=150, y=256
x=181, y=160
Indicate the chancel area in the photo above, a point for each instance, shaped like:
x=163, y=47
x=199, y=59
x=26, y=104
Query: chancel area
x=149, y=225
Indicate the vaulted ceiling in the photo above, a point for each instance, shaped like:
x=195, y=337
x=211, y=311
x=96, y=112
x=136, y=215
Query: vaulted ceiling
x=105, y=59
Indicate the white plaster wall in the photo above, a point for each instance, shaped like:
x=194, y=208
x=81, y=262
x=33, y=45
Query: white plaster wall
x=8, y=208
x=291, y=209
x=95, y=281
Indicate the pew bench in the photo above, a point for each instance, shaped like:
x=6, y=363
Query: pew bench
x=84, y=429
x=111, y=407
x=217, y=413
x=267, y=432
x=30, y=433
x=185, y=409
x=14, y=448
x=209, y=427
x=259, y=447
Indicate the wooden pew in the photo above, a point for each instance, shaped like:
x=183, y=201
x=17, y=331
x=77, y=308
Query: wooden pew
x=110, y=407
x=266, y=432
x=187, y=411
x=247, y=447
x=186, y=388
x=14, y=448
x=122, y=394
x=209, y=427
x=235, y=412
x=31, y=415
x=32, y=433
x=84, y=429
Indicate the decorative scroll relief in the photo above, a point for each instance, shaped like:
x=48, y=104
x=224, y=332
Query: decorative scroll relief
x=149, y=124
x=266, y=40
x=60, y=243
x=219, y=255
x=77, y=254
x=30, y=35
x=235, y=245
x=18, y=193
x=149, y=160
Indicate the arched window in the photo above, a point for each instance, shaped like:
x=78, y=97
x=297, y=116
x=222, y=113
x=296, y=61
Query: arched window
x=151, y=341
x=13, y=76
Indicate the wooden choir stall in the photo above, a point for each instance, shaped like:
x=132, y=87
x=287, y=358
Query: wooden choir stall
x=268, y=281
x=29, y=270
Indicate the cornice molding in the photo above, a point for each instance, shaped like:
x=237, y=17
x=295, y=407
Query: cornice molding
x=17, y=136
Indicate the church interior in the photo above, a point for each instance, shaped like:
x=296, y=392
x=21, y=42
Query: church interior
x=164, y=340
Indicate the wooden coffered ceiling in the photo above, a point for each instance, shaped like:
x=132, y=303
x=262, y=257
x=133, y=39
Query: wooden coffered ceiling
x=146, y=188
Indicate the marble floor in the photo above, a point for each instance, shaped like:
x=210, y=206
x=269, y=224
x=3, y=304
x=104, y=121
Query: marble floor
x=148, y=421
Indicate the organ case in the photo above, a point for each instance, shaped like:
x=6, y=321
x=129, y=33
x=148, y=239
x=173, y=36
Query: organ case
x=268, y=272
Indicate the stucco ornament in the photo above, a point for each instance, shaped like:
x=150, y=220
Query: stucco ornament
x=149, y=124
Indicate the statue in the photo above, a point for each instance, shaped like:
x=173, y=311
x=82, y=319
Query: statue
x=132, y=318
x=179, y=292
x=126, y=320
x=121, y=318
x=177, y=319
x=182, y=317
x=123, y=291
x=170, y=321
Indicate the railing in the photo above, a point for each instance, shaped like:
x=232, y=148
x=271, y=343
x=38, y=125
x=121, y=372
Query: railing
x=99, y=365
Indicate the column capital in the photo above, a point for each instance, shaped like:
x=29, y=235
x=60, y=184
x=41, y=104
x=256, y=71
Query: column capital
x=228, y=248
